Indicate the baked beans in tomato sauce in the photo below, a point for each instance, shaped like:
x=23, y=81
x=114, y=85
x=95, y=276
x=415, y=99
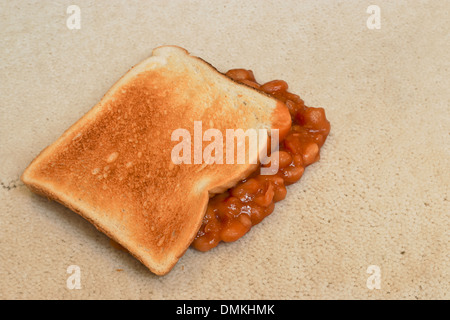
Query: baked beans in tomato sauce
x=231, y=215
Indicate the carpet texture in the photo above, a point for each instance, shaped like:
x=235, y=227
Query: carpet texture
x=375, y=207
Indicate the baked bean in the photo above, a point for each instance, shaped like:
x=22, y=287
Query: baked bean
x=274, y=86
x=298, y=160
x=292, y=174
x=292, y=143
x=284, y=159
x=279, y=192
x=233, y=231
x=264, y=200
x=221, y=207
x=295, y=98
x=279, y=96
x=314, y=118
x=231, y=214
x=310, y=154
x=318, y=139
x=291, y=107
x=205, y=242
x=245, y=220
x=244, y=190
x=296, y=128
x=270, y=208
x=212, y=226
x=274, y=179
x=257, y=214
x=241, y=74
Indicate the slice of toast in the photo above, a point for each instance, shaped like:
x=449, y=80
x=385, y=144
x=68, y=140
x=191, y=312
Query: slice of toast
x=114, y=165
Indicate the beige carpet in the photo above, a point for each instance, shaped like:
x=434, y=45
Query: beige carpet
x=378, y=197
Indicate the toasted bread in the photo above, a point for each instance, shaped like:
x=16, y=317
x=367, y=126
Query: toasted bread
x=114, y=167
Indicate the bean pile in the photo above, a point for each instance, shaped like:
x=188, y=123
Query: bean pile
x=231, y=215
